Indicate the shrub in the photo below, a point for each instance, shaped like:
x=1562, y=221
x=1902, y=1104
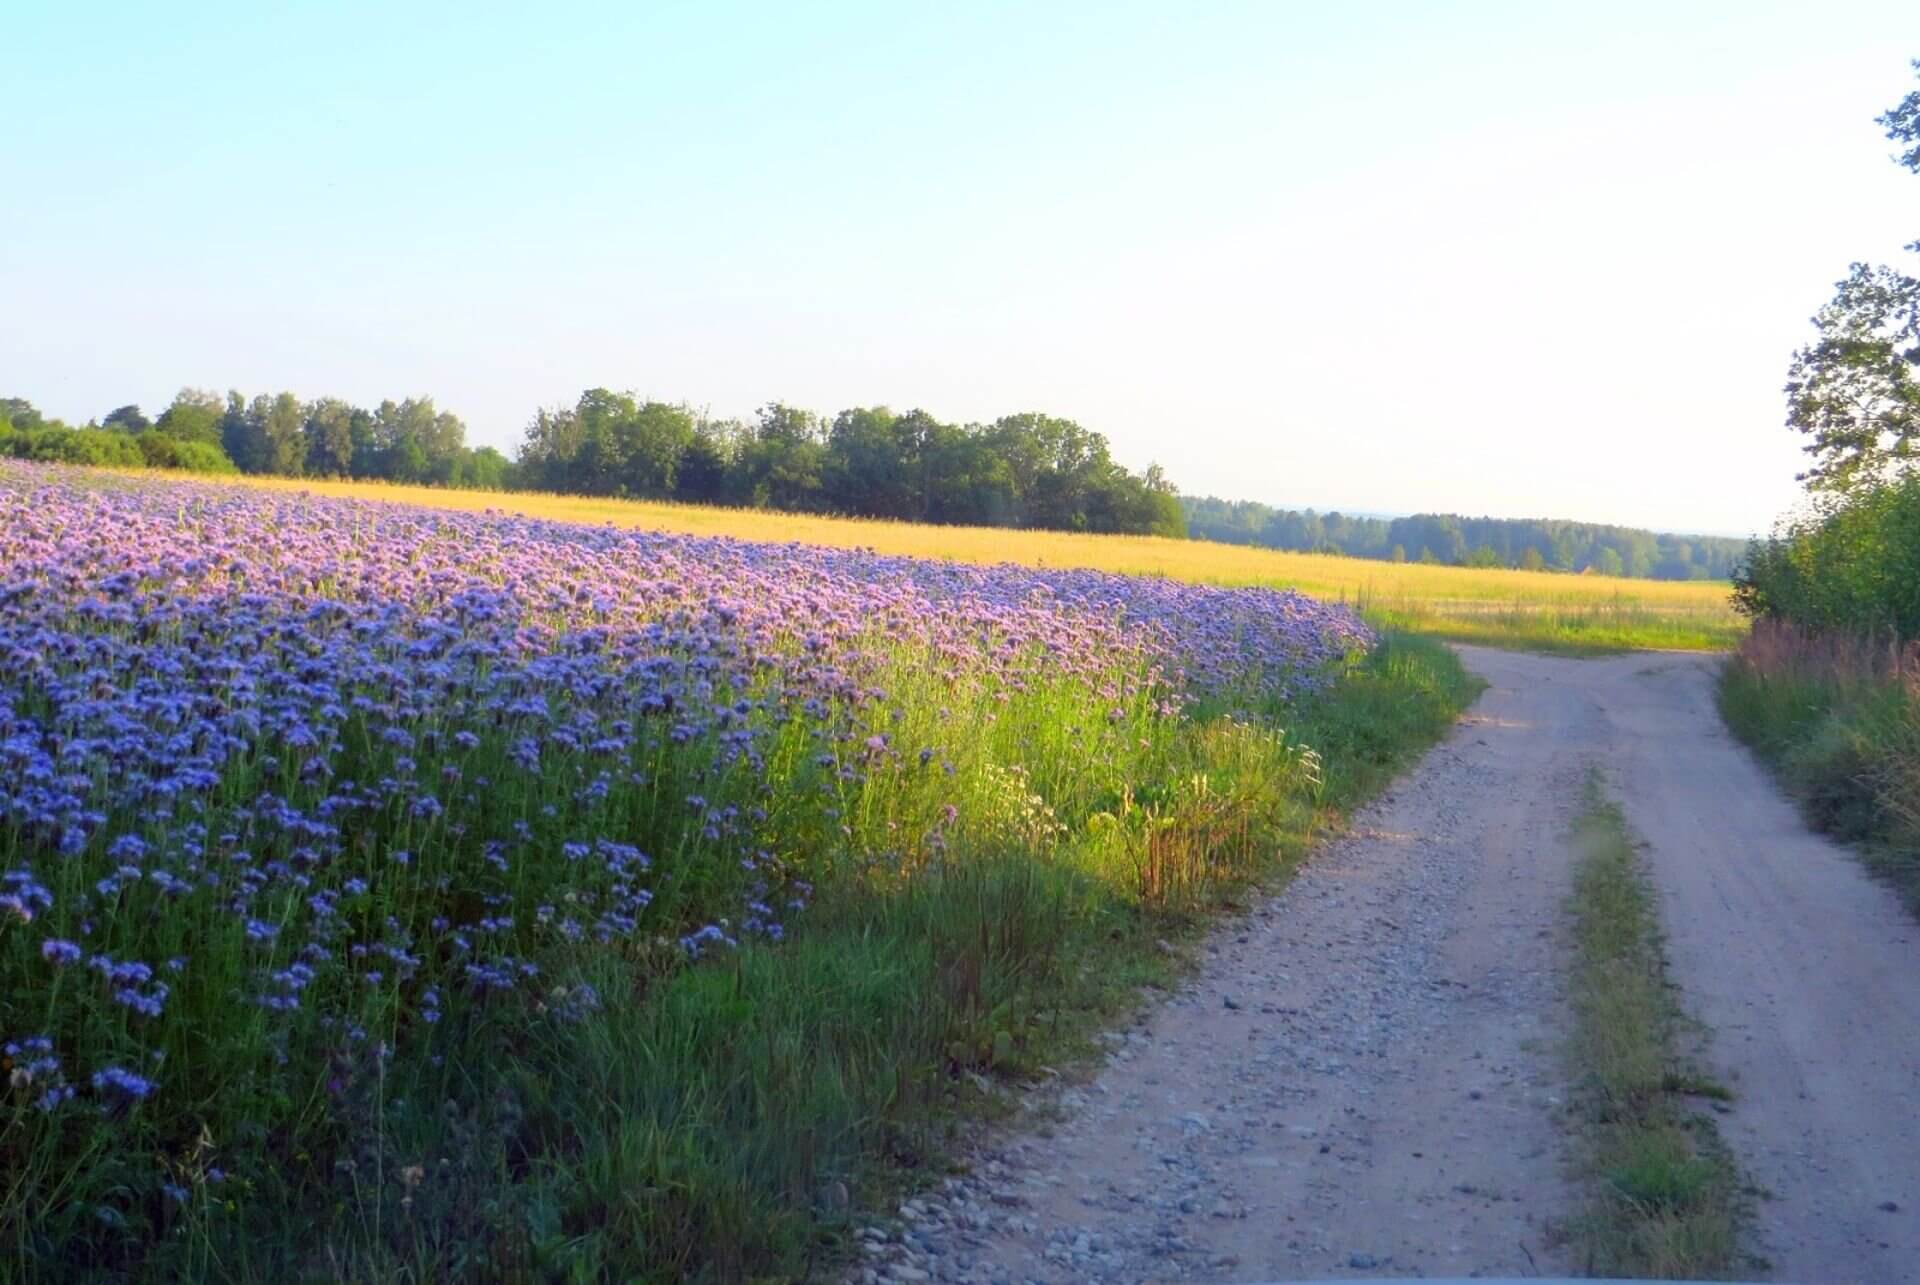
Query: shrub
x=1852, y=565
x=160, y=450
x=1838, y=717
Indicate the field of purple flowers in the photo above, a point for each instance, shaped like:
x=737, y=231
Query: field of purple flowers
x=400, y=892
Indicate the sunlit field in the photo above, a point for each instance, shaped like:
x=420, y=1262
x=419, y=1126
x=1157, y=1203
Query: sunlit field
x=390, y=893
x=1534, y=609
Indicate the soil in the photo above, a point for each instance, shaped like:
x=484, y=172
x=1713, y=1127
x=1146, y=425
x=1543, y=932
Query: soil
x=1365, y=1077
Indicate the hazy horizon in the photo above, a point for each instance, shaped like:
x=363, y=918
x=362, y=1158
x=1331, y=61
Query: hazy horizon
x=1354, y=511
x=1486, y=260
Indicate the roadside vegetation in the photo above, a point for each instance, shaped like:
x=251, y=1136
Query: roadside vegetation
x=1837, y=716
x=392, y=893
x=1827, y=688
x=1667, y=1200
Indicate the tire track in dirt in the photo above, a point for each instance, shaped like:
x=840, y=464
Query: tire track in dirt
x=1364, y=1077
x=1804, y=971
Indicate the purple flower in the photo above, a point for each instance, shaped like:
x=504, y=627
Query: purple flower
x=122, y=1083
x=522, y=703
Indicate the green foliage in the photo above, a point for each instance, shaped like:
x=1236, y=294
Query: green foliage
x=332, y=432
x=410, y=441
x=780, y=462
x=609, y=444
x=1528, y=543
x=1902, y=122
x=1837, y=717
x=721, y=1120
x=19, y=413
x=1031, y=471
x=26, y=434
x=1598, y=627
x=1852, y=564
x=160, y=450
x=127, y=419
x=1401, y=700
x=1827, y=686
x=54, y=443
x=201, y=432
x=484, y=469
x=1667, y=1200
x=1028, y=471
x=1855, y=391
x=193, y=416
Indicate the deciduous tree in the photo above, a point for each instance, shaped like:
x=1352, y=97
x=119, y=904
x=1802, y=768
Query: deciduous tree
x=127, y=419
x=1855, y=390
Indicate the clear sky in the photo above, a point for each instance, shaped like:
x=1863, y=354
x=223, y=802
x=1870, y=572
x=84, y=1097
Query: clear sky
x=1526, y=259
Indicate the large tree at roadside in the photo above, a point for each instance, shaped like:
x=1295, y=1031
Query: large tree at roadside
x=1855, y=391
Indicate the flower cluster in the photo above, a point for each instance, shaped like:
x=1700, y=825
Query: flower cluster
x=362, y=765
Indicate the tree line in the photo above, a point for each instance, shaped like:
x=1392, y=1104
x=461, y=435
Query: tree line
x=1027, y=470
x=1447, y=538
x=203, y=432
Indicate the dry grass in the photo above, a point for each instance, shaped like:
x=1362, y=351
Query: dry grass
x=1777, y=649
x=1837, y=716
x=1568, y=613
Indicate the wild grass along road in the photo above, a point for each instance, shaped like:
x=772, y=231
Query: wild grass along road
x=1363, y=1080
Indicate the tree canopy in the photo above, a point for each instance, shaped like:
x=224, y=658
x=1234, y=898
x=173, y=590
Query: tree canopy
x=1855, y=390
x=199, y=431
x=1027, y=470
x=1851, y=562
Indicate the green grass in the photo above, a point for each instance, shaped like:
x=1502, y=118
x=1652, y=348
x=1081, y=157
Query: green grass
x=1838, y=722
x=1567, y=628
x=727, y=1120
x=1667, y=1201
x=846, y=1063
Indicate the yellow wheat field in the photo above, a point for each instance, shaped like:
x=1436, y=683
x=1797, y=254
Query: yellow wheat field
x=1526, y=608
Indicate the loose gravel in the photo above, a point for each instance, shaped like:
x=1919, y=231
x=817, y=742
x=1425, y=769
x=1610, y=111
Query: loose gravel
x=1362, y=1078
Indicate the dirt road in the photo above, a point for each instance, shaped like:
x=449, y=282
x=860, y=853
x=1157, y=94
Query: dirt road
x=1363, y=1079
x=1806, y=973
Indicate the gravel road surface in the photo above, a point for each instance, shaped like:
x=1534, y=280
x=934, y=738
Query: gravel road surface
x=1363, y=1078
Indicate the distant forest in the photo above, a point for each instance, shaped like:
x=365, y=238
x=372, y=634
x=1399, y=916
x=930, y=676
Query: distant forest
x=1027, y=470
x=1538, y=544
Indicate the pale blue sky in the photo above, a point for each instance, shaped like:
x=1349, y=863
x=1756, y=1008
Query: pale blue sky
x=1523, y=259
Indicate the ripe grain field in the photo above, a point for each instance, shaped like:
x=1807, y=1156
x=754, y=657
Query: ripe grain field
x=1539, y=610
